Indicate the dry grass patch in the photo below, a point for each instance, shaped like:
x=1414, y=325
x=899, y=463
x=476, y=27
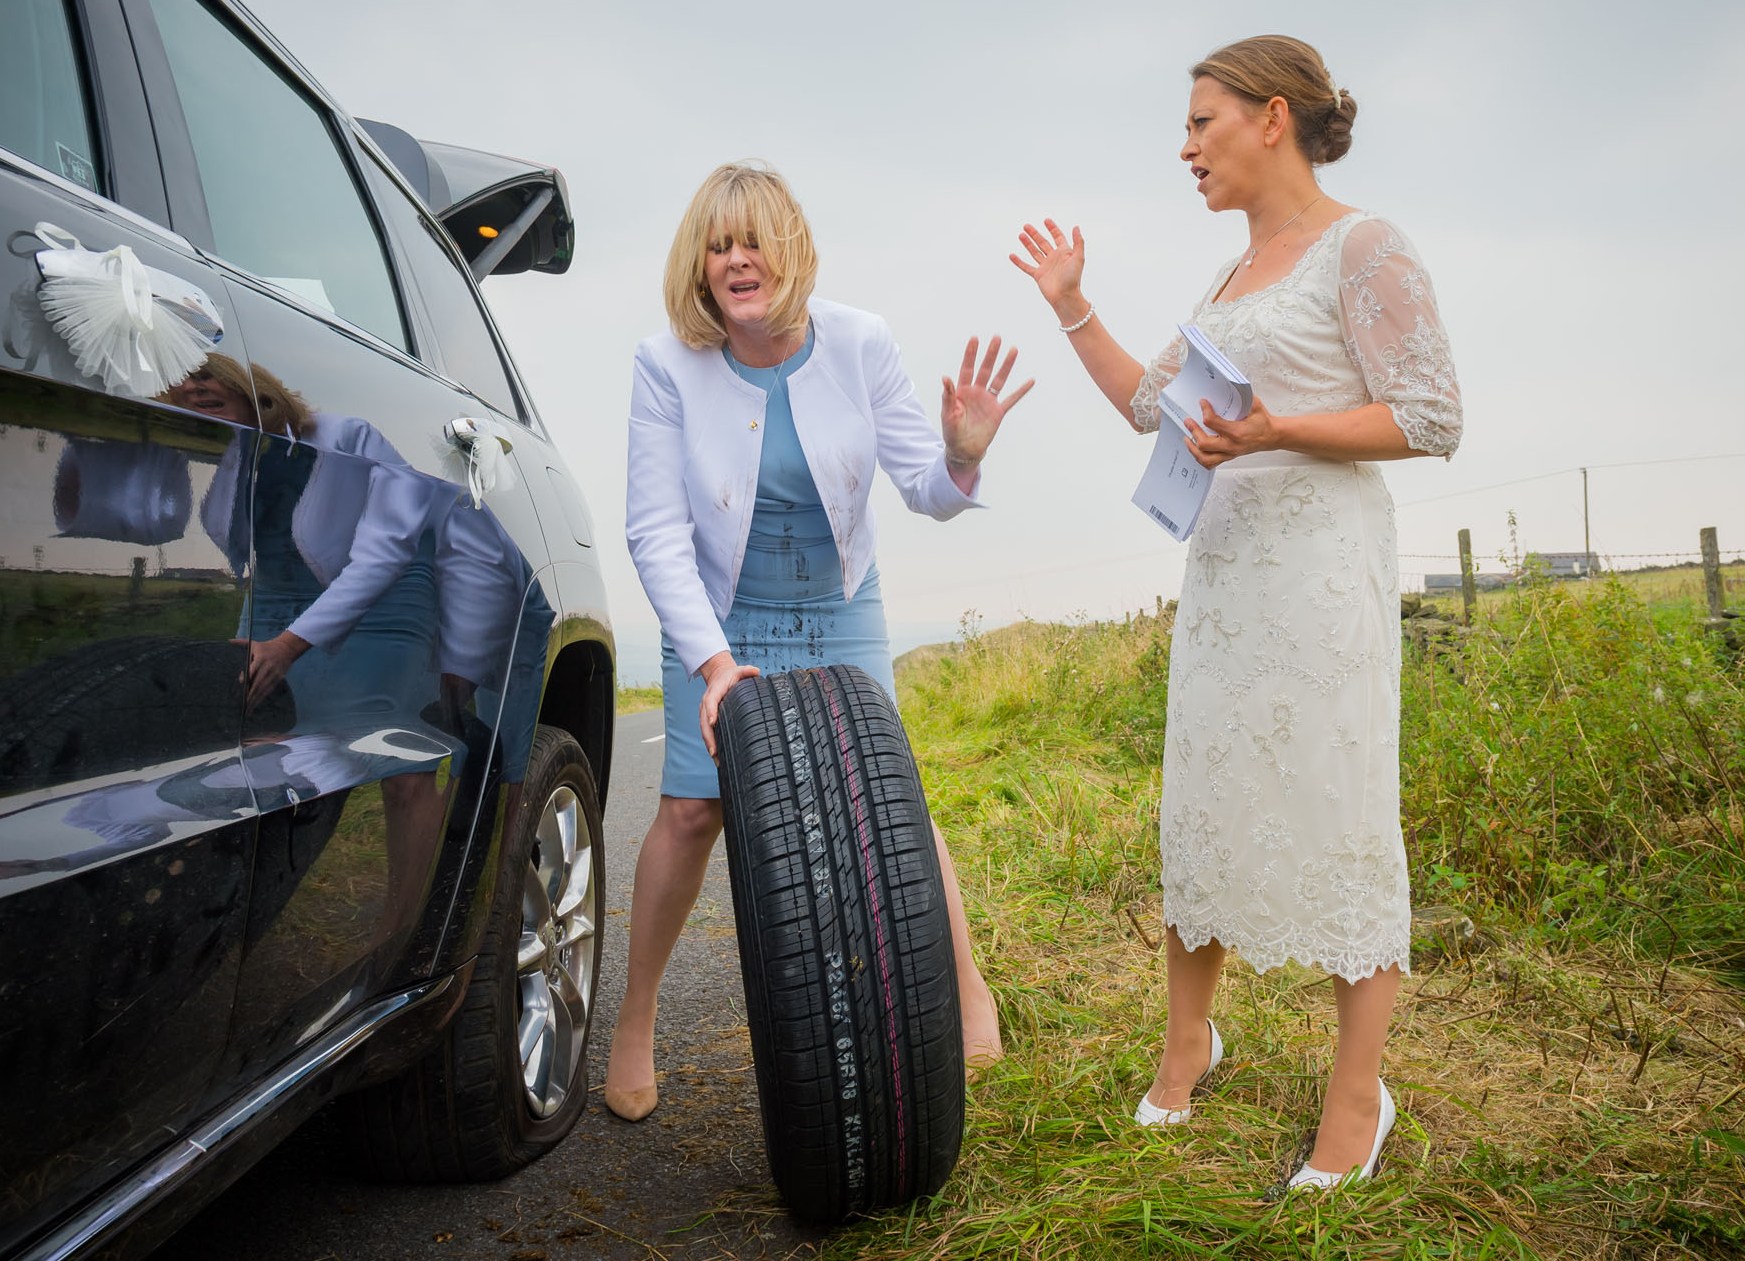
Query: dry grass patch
x=1548, y=1107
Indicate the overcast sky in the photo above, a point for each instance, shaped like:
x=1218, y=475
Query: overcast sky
x=1572, y=173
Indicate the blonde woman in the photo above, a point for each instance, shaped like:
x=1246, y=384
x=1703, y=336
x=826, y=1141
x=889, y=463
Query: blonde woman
x=1280, y=815
x=756, y=424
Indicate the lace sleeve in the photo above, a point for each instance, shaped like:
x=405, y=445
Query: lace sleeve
x=1387, y=311
x=1147, y=416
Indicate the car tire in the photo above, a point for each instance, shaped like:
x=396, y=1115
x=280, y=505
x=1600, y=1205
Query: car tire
x=844, y=942
x=509, y=1078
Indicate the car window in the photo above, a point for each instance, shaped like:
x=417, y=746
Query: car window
x=469, y=352
x=281, y=197
x=43, y=112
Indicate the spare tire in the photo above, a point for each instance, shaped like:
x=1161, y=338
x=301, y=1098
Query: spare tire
x=844, y=941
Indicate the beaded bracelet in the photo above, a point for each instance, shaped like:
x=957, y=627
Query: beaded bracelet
x=1073, y=328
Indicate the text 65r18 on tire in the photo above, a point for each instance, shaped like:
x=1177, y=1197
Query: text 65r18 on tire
x=844, y=941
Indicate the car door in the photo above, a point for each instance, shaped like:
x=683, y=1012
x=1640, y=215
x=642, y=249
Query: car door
x=126, y=823
x=389, y=602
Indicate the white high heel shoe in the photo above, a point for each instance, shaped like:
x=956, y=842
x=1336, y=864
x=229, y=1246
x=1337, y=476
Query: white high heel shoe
x=1321, y=1180
x=1148, y=1113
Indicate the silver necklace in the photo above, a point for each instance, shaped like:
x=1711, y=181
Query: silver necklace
x=1255, y=249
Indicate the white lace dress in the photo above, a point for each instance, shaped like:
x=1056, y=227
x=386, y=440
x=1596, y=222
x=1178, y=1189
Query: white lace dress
x=1281, y=785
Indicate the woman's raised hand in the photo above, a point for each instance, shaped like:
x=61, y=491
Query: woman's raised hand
x=971, y=410
x=1056, y=266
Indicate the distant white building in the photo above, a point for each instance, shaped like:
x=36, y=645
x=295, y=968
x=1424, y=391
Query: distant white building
x=1568, y=564
x=1451, y=582
x=1556, y=564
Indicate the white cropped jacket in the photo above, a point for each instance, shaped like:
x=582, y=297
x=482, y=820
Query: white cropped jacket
x=696, y=436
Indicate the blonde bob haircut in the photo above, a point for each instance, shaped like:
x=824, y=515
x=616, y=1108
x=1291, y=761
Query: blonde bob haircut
x=281, y=409
x=745, y=202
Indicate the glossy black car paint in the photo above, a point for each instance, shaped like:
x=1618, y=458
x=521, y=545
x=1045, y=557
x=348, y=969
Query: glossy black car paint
x=198, y=890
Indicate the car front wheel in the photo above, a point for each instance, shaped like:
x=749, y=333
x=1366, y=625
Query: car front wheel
x=509, y=1078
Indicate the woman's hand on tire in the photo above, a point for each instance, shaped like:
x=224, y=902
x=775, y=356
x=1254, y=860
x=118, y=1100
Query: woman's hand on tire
x=720, y=673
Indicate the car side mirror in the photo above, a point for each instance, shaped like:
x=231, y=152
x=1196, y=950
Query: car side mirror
x=506, y=215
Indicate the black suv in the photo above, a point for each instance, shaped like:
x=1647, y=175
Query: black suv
x=306, y=679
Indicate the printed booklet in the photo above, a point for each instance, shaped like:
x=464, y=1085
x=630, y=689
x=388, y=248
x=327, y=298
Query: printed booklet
x=1174, y=484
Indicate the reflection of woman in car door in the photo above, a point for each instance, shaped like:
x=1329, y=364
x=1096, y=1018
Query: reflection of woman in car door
x=344, y=562
x=340, y=543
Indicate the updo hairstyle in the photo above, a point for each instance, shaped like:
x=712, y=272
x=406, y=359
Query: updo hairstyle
x=1266, y=66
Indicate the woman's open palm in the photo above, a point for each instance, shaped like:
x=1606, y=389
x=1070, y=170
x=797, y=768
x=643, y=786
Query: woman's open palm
x=971, y=410
x=1056, y=264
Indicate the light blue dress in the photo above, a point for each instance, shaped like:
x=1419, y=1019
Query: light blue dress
x=383, y=673
x=788, y=612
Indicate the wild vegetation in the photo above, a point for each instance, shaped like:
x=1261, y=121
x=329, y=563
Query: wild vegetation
x=1569, y=1054
x=634, y=700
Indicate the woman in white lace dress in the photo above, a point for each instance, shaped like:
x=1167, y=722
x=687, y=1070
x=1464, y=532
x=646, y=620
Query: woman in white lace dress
x=1280, y=814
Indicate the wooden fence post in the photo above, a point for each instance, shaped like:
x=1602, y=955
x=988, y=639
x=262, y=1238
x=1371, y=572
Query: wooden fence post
x=1719, y=621
x=1712, y=571
x=1468, y=584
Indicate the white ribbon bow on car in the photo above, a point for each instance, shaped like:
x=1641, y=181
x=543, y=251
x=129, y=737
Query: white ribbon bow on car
x=137, y=329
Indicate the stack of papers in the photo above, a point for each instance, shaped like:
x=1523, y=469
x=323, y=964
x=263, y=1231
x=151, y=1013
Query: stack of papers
x=1174, y=485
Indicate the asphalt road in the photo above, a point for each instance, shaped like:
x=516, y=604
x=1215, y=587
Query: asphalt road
x=690, y=1182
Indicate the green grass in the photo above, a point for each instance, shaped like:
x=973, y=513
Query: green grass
x=636, y=700
x=1673, y=594
x=45, y=614
x=1571, y=1077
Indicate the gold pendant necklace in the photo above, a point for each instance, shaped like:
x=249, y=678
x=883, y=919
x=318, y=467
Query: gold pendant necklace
x=780, y=366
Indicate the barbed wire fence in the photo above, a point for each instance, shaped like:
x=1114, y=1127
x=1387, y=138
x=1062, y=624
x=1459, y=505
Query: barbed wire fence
x=1421, y=571
x=1413, y=580
x=1607, y=559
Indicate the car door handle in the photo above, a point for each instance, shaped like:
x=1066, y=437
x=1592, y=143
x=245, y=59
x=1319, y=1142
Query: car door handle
x=482, y=445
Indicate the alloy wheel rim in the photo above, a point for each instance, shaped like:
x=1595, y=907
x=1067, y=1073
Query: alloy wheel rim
x=555, y=959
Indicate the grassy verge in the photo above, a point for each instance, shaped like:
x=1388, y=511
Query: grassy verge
x=634, y=700
x=1673, y=594
x=1569, y=1054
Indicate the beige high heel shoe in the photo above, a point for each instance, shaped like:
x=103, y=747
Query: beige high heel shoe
x=632, y=1105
